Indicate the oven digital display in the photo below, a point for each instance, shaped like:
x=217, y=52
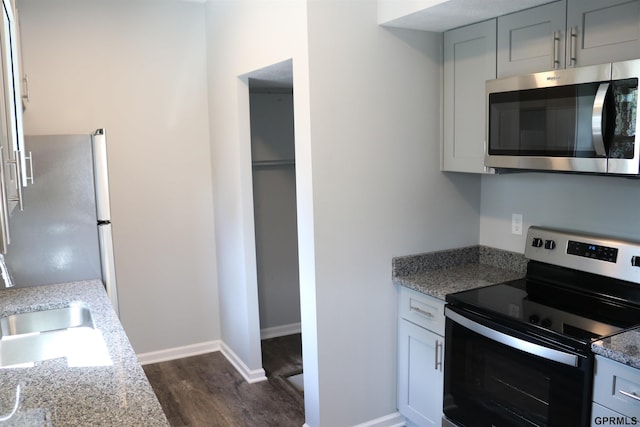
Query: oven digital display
x=589, y=250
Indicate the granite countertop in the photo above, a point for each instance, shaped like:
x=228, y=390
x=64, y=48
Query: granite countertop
x=444, y=272
x=623, y=347
x=53, y=393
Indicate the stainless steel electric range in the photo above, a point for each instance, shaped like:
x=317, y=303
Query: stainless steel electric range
x=519, y=353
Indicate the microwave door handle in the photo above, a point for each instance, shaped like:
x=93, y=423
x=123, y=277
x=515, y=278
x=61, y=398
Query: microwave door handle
x=513, y=342
x=597, y=133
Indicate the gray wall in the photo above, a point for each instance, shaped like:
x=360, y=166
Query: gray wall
x=596, y=204
x=138, y=69
x=367, y=132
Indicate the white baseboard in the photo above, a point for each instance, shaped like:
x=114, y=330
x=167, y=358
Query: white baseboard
x=251, y=376
x=280, y=331
x=391, y=420
x=178, y=352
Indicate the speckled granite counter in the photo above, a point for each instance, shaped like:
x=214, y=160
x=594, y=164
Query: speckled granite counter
x=623, y=348
x=54, y=394
x=440, y=273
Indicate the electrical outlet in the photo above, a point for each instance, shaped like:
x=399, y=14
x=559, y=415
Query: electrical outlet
x=516, y=224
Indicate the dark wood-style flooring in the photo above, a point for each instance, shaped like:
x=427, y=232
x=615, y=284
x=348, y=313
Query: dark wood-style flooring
x=206, y=390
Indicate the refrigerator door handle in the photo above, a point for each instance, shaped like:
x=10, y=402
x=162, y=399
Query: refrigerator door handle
x=108, y=264
x=101, y=174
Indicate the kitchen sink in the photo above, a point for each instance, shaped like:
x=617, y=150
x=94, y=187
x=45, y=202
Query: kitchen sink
x=74, y=316
x=68, y=332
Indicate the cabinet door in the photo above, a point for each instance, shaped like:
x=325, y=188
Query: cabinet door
x=14, y=145
x=420, y=374
x=532, y=40
x=616, y=386
x=600, y=31
x=469, y=60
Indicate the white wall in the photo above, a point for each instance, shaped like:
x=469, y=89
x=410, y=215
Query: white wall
x=137, y=68
x=367, y=125
x=243, y=36
x=597, y=204
x=378, y=193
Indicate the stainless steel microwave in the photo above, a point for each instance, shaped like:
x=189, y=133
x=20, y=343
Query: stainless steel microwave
x=576, y=120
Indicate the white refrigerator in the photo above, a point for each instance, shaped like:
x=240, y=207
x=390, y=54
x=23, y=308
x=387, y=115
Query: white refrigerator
x=64, y=232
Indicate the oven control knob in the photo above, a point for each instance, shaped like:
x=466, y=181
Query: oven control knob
x=536, y=242
x=549, y=244
x=546, y=322
x=635, y=261
x=534, y=319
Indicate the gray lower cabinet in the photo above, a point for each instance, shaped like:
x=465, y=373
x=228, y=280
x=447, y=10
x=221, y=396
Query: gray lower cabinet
x=469, y=60
x=616, y=392
x=420, y=358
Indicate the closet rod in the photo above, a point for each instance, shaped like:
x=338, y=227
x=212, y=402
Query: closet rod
x=259, y=163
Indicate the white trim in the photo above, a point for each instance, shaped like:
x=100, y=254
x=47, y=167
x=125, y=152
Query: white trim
x=206, y=347
x=280, y=331
x=178, y=352
x=392, y=420
x=251, y=376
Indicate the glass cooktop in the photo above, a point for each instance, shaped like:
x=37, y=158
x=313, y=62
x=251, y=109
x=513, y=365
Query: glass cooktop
x=566, y=311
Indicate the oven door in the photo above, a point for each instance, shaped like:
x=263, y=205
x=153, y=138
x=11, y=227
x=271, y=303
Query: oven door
x=495, y=376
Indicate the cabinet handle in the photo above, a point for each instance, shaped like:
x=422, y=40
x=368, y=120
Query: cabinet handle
x=421, y=311
x=438, y=357
x=631, y=395
x=18, y=170
x=25, y=81
x=573, y=60
x=556, y=50
x=4, y=208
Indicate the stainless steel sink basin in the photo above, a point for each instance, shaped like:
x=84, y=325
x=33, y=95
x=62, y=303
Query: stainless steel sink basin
x=49, y=334
x=74, y=316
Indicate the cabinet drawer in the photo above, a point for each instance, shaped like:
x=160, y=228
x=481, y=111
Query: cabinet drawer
x=600, y=416
x=617, y=386
x=423, y=310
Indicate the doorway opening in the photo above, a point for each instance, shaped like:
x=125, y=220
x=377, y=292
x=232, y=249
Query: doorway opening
x=275, y=222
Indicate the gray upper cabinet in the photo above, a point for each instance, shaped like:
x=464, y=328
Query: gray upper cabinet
x=532, y=40
x=567, y=34
x=602, y=31
x=469, y=60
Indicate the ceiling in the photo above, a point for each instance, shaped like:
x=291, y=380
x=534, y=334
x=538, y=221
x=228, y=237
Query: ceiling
x=277, y=76
x=432, y=15
x=442, y=15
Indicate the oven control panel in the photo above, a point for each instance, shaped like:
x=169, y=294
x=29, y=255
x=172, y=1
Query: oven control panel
x=589, y=250
x=607, y=256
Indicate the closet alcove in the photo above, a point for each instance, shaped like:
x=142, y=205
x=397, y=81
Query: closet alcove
x=274, y=197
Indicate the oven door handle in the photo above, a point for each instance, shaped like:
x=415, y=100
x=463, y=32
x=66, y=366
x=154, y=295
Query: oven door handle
x=513, y=342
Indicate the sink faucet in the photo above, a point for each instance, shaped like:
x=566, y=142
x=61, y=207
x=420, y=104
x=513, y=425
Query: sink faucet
x=4, y=272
